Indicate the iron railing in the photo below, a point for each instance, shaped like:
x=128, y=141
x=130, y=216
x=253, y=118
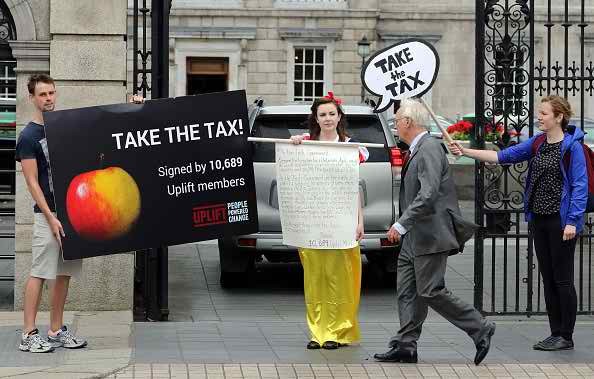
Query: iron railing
x=507, y=84
x=151, y=265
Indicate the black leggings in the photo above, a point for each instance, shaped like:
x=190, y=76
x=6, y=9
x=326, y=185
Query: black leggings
x=555, y=261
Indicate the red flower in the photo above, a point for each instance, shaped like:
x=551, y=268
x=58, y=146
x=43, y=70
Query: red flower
x=460, y=127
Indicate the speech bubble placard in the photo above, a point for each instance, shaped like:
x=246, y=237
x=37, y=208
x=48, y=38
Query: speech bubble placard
x=406, y=69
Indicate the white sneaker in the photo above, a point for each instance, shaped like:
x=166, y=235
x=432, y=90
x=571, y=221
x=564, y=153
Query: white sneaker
x=66, y=339
x=33, y=343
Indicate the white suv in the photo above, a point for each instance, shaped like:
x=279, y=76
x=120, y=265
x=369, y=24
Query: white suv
x=377, y=176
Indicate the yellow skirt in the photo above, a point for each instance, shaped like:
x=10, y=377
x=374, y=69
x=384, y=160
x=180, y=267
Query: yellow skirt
x=332, y=284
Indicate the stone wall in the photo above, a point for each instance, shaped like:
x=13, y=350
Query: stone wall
x=258, y=37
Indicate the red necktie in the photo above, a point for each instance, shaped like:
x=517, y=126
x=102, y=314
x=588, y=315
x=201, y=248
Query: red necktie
x=405, y=159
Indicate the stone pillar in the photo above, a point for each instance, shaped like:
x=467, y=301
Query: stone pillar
x=87, y=58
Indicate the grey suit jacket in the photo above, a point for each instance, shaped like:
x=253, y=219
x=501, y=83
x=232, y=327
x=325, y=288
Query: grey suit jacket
x=428, y=202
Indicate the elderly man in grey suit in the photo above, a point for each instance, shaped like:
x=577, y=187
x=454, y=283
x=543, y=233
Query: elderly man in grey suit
x=430, y=228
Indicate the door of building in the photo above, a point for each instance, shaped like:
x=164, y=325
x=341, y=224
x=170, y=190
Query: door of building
x=206, y=75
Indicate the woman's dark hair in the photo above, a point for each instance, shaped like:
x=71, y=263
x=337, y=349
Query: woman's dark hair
x=312, y=121
x=560, y=106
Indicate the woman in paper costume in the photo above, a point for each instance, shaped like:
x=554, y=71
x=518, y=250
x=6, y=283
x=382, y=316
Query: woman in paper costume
x=332, y=278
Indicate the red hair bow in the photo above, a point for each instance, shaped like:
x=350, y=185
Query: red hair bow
x=330, y=96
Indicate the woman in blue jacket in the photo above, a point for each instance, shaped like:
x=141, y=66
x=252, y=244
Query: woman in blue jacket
x=554, y=203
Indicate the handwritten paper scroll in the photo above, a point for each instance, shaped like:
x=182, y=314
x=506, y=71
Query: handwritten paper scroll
x=317, y=195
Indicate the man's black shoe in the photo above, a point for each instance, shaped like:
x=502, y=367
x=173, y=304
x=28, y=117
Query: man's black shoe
x=312, y=345
x=399, y=355
x=482, y=348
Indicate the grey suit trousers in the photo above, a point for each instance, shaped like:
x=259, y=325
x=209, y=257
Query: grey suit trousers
x=421, y=285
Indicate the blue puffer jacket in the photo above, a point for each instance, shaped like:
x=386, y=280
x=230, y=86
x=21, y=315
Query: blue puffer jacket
x=574, y=195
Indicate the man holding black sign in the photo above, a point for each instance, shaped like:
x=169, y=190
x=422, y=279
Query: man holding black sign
x=431, y=228
x=46, y=257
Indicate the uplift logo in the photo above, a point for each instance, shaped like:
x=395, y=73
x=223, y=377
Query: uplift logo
x=209, y=215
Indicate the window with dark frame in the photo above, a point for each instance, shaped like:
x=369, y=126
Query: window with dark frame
x=7, y=61
x=308, y=73
x=7, y=79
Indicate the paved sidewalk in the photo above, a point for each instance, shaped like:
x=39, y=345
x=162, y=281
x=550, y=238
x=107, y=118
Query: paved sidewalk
x=374, y=371
x=260, y=332
x=109, y=348
x=119, y=348
x=277, y=350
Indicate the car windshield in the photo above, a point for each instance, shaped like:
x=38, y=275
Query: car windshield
x=432, y=126
x=362, y=128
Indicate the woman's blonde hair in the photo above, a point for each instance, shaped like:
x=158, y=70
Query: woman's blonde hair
x=560, y=106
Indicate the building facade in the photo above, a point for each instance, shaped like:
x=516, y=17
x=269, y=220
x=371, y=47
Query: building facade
x=295, y=50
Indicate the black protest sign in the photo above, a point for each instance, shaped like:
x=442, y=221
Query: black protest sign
x=134, y=176
x=406, y=69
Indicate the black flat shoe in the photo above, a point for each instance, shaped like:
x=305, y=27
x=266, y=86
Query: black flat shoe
x=330, y=345
x=312, y=345
x=398, y=355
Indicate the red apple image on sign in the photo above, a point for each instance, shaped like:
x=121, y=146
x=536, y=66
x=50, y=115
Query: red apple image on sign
x=103, y=204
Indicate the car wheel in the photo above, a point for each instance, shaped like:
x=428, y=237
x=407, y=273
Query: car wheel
x=379, y=271
x=389, y=279
x=229, y=279
x=236, y=264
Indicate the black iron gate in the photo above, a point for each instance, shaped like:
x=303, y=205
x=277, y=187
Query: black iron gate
x=151, y=265
x=523, y=53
